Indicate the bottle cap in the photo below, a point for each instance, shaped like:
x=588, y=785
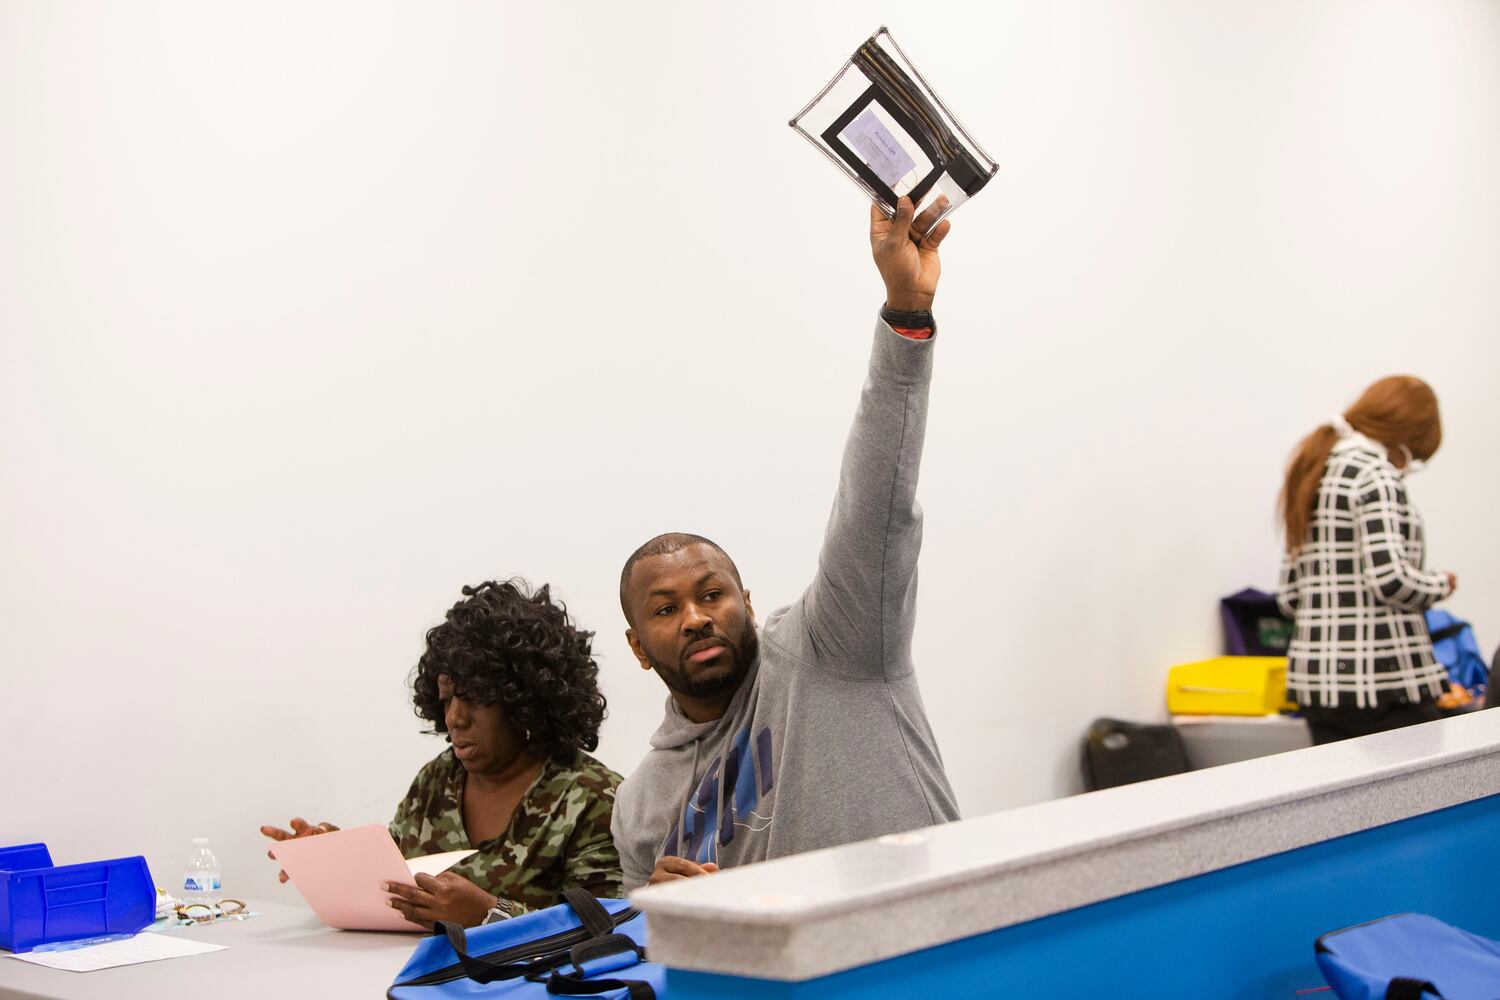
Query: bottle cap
x=199, y=841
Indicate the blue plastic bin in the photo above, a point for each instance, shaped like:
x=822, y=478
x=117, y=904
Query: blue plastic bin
x=41, y=902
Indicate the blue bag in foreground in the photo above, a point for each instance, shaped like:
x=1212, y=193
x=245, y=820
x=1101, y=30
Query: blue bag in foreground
x=1409, y=956
x=583, y=947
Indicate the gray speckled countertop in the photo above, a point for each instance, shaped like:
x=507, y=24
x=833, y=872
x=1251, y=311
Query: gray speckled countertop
x=821, y=912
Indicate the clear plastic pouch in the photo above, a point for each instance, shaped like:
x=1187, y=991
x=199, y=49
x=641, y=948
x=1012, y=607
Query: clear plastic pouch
x=881, y=124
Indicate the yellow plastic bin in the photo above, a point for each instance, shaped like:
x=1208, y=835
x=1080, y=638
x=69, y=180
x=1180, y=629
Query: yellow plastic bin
x=1228, y=685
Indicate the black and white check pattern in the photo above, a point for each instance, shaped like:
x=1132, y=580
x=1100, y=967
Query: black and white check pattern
x=1357, y=590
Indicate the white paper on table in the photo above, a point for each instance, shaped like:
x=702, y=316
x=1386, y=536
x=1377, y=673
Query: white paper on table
x=340, y=874
x=144, y=947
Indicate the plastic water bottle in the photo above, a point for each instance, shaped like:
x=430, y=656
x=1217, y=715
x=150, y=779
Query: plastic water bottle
x=200, y=884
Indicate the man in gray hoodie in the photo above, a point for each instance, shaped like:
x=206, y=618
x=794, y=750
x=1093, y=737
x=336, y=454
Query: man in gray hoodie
x=810, y=732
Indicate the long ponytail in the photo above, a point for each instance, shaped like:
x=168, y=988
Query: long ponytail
x=1300, y=491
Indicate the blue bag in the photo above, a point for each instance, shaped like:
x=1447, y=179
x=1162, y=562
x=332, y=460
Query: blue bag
x=576, y=948
x=1454, y=646
x=1409, y=956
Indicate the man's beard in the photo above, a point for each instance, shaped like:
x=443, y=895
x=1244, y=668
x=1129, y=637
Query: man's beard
x=744, y=650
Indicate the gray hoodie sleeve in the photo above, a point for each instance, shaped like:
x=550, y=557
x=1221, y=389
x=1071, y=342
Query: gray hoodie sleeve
x=635, y=867
x=857, y=615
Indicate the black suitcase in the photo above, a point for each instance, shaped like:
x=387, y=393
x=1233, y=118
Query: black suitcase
x=1119, y=753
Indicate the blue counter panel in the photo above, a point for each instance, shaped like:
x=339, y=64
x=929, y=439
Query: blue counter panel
x=1241, y=933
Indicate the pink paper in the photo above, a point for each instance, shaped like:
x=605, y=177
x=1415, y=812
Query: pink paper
x=340, y=874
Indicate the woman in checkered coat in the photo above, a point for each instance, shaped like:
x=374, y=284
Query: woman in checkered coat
x=1361, y=659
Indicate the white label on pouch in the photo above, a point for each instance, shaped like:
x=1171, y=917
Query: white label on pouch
x=880, y=150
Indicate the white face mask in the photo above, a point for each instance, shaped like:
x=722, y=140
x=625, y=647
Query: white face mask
x=1413, y=464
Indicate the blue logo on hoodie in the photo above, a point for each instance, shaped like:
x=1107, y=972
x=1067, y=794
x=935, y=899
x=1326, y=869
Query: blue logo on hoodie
x=725, y=800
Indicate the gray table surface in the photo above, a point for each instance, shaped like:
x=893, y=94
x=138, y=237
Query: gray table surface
x=286, y=950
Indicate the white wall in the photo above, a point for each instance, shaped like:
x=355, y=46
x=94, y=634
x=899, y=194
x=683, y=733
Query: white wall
x=310, y=314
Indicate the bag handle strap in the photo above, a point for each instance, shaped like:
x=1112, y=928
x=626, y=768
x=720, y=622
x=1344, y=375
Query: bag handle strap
x=1448, y=631
x=595, y=918
x=1403, y=988
x=565, y=985
x=603, y=942
x=482, y=970
x=599, y=947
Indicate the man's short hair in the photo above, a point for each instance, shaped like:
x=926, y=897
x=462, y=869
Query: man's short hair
x=661, y=545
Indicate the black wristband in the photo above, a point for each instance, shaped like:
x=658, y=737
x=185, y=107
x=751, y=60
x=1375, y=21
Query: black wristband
x=916, y=320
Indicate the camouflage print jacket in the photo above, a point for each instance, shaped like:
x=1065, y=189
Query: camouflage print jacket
x=559, y=835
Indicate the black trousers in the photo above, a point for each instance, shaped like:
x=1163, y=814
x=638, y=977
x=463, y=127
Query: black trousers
x=1329, y=725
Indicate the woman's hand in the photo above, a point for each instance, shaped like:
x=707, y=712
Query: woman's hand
x=300, y=828
x=440, y=897
x=1452, y=584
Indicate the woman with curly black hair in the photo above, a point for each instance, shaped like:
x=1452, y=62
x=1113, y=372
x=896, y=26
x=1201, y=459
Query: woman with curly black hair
x=512, y=684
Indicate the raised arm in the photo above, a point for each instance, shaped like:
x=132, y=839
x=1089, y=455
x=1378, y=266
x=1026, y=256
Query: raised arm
x=858, y=612
x=1380, y=505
